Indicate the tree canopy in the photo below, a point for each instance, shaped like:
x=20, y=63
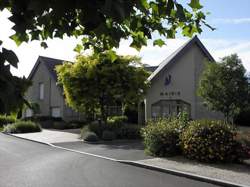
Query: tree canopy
x=100, y=24
x=93, y=83
x=103, y=23
x=12, y=90
x=224, y=86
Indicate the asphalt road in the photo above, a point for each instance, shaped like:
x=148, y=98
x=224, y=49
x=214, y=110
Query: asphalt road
x=28, y=164
x=121, y=150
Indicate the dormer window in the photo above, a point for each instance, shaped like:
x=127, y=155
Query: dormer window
x=41, y=91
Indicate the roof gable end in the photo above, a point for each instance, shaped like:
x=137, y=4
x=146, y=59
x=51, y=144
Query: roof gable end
x=180, y=51
x=49, y=63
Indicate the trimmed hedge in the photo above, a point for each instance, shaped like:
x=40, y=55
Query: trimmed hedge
x=210, y=141
x=22, y=127
x=120, y=129
x=44, y=121
x=4, y=120
x=42, y=118
x=129, y=131
x=118, y=119
x=108, y=135
x=161, y=137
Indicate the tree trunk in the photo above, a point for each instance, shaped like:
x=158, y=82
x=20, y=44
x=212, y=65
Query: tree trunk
x=103, y=114
x=103, y=110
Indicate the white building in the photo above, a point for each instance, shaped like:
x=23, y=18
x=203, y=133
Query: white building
x=174, y=85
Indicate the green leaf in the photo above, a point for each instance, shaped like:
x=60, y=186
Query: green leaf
x=44, y=45
x=170, y=6
x=10, y=56
x=16, y=39
x=159, y=42
x=145, y=4
x=135, y=44
x=195, y=4
x=112, y=55
x=78, y=48
x=154, y=7
x=180, y=12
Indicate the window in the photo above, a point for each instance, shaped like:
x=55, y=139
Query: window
x=41, y=91
x=167, y=108
x=156, y=111
x=55, y=112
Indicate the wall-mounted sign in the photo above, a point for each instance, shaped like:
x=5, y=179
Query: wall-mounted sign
x=173, y=93
x=167, y=80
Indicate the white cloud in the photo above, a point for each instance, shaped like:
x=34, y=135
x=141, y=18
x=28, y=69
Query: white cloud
x=231, y=20
x=223, y=47
x=152, y=55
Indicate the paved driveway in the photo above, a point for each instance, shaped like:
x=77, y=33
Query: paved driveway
x=118, y=149
x=53, y=136
x=27, y=164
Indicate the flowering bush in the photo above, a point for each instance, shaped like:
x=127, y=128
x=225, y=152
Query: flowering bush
x=209, y=141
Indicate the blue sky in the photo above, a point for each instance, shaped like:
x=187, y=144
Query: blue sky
x=232, y=35
x=231, y=18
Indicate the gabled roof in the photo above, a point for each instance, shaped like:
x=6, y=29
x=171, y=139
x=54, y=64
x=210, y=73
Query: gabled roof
x=50, y=64
x=180, y=51
x=150, y=68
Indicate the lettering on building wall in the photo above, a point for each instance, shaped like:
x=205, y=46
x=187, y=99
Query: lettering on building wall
x=172, y=93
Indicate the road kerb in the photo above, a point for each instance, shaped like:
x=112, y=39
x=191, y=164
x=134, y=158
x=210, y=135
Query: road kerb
x=146, y=166
x=184, y=174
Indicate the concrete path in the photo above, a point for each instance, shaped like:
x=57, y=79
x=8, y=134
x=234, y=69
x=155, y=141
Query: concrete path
x=233, y=173
x=53, y=136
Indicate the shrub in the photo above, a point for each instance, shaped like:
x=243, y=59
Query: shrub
x=22, y=127
x=42, y=118
x=84, y=130
x=118, y=119
x=161, y=138
x=241, y=151
x=108, y=135
x=75, y=124
x=129, y=132
x=60, y=125
x=97, y=127
x=113, y=125
x=4, y=120
x=90, y=137
x=209, y=141
x=44, y=121
x=120, y=129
